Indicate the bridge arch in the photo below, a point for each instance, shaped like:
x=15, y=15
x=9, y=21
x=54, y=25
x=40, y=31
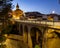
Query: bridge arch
x=52, y=37
x=36, y=36
x=51, y=33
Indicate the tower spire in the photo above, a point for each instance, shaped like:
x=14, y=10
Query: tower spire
x=17, y=6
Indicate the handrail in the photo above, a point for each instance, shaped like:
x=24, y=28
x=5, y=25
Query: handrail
x=40, y=22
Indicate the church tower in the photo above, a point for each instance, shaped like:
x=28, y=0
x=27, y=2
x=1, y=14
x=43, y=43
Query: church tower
x=17, y=6
x=18, y=13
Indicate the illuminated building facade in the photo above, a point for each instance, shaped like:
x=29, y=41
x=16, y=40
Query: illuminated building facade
x=18, y=13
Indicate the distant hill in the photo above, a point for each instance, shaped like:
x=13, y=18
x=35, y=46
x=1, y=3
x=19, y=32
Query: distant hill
x=35, y=14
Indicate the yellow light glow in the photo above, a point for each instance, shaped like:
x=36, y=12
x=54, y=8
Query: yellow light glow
x=16, y=17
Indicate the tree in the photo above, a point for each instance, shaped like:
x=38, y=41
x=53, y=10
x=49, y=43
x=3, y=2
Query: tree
x=5, y=7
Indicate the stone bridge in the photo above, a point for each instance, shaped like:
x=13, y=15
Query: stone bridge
x=42, y=32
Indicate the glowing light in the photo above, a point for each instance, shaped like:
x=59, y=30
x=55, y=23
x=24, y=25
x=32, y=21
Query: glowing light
x=53, y=12
x=16, y=17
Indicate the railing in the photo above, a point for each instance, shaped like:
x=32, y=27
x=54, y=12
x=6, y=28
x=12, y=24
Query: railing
x=51, y=23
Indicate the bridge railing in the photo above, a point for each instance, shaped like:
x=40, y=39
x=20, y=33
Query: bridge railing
x=52, y=23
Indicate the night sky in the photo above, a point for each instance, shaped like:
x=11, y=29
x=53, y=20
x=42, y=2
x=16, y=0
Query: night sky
x=42, y=6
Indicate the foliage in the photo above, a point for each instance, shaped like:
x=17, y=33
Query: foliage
x=2, y=46
x=5, y=7
x=2, y=38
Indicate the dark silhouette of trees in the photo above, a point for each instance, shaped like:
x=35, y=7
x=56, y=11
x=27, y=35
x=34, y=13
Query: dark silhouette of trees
x=5, y=7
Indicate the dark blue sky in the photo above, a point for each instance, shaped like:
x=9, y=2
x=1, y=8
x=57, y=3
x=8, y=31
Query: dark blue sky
x=43, y=6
